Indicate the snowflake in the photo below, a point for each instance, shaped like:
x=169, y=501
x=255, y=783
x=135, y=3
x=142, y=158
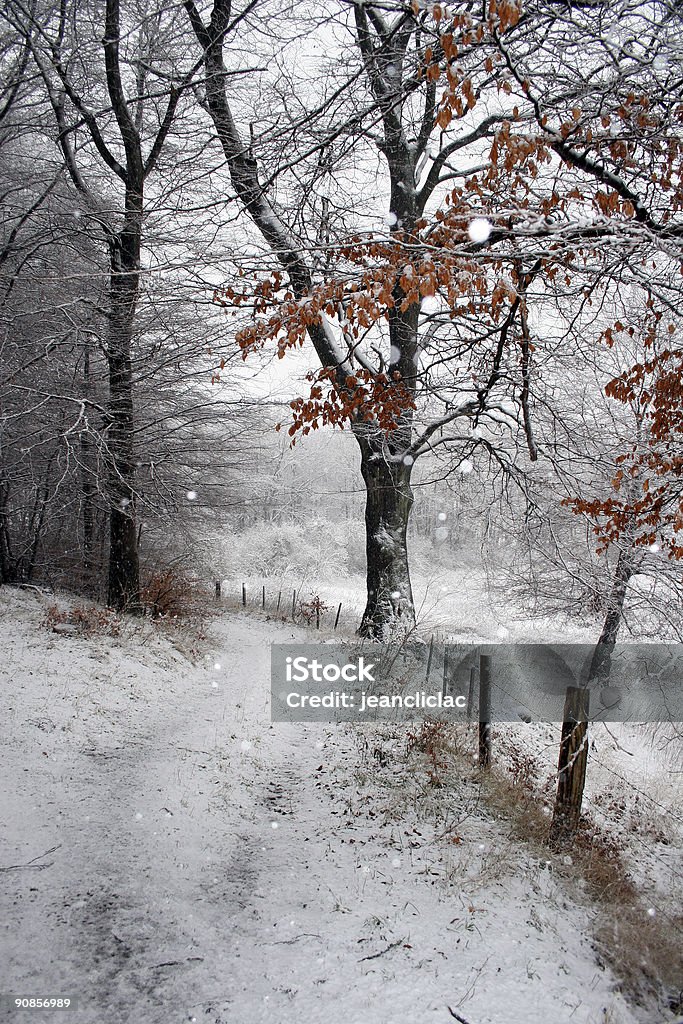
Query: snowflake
x=479, y=229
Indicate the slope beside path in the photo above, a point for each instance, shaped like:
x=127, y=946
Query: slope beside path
x=169, y=855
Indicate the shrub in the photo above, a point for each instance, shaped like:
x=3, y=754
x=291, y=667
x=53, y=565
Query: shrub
x=312, y=610
x=435, y=739
x=170, y=593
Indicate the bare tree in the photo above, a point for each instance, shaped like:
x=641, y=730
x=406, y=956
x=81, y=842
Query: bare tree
x=114, y=111
x=503, y=182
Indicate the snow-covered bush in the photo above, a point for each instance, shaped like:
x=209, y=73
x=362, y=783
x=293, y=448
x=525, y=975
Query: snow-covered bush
x=317, y=549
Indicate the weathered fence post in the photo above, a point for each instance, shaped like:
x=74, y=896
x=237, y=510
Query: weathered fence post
x=263, y=598
x=484, y=710
x=293, y=603
x=279, y=598
x=218, y=590
x=446, y=671
x=470, y=694
x=429, y=658
x=571, y=768
x=244, y=595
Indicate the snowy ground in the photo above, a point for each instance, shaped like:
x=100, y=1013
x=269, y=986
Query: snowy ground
x=449, y=604
x=168, y=855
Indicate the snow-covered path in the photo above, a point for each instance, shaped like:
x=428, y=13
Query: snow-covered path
x=208, y=866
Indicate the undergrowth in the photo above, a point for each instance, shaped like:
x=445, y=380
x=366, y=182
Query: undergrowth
x=641, y=945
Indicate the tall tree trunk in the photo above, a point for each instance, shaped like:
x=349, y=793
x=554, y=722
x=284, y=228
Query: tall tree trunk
x=601, y=661
x=88, y=473
x=386, y=474
x=389, y=500
x=6, y=559
x=124, y=566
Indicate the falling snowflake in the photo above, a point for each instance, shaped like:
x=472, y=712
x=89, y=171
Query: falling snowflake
x=191, y=495
x=408, y=460
x=246, y=745
x=479, y=229
x=442, y=517
x=274, y=824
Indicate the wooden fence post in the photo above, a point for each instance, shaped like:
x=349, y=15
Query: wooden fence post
x=446, y=670
x=470, y=694
x=218, y=590
x=279, y=598
x=293, y=604
x=571, y=768
x=263, y=598
x=484, y=710
x=244, y=595
x=429, y=658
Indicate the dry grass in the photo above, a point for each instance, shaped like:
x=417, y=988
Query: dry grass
x=642, y=949
x=84, y=620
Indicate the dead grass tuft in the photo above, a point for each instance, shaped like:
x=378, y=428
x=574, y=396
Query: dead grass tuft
x=83, y=620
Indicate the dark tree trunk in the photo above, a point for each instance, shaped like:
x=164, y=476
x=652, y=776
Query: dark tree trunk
x=601, y=662
x=88, y=474
x=6, y=560
x=389, y=499
x=124, y=568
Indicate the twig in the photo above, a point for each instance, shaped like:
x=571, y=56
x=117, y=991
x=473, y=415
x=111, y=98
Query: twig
x=392, y=945
x=32, y=863
x=289, y=942
x=616, y=741
x=457, y=1016
x=176, y=963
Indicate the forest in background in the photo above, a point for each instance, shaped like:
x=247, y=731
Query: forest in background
x=467, y=215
